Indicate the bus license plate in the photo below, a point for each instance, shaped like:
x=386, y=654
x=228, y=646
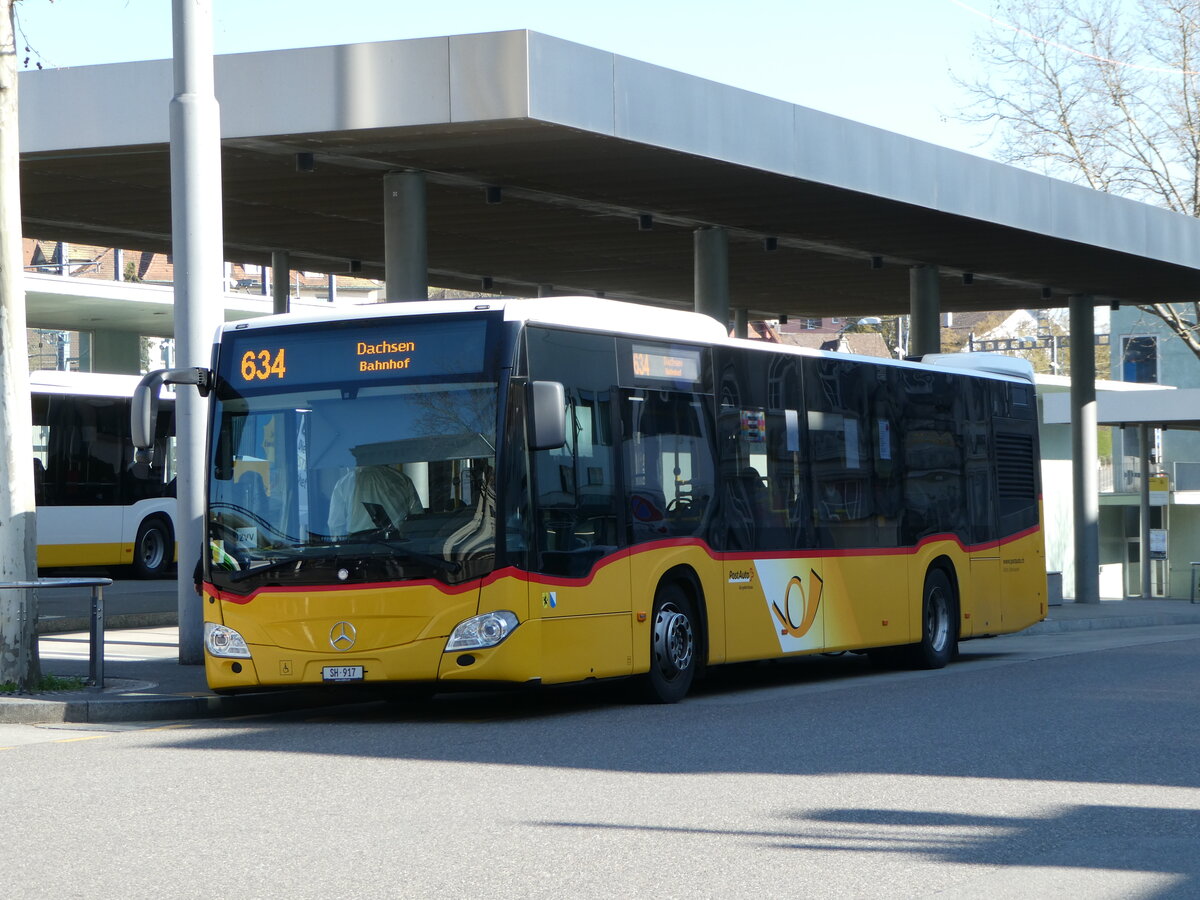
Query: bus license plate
x=342, y=673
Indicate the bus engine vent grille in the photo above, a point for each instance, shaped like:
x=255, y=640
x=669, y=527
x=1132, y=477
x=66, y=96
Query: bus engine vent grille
x=1015, y=467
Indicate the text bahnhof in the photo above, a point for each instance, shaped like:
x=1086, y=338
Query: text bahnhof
x=384, y=348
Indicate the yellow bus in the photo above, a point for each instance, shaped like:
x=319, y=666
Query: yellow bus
x=468, y=493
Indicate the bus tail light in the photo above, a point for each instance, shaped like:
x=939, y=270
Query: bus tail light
x=222, y=641
x=479, y=632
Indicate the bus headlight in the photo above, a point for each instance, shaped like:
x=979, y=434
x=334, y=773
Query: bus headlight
x=222, y=641
x=486, y=630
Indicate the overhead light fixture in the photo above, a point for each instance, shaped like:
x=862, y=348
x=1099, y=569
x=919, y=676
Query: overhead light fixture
x=355, y=265
x=876, y=262
x=968, y=278
x=485, y=283
x=1047, y=293
x=770, y=244
x=306, y=162
x=492, y=194
x=1115, y=305
x=783, y=318
x=645, y=222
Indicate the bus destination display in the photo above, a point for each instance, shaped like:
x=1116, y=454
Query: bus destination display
x=676, y=365
x=361, y=353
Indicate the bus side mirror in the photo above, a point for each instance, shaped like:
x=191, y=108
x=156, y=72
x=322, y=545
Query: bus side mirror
x=144, y=409
x=548, y=415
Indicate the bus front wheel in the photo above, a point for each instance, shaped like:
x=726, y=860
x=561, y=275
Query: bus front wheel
x=939, y=623
x=673, y=646
x=152, y=548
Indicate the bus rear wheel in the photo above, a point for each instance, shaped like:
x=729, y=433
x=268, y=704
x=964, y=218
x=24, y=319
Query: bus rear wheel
x=152, y=548
x=673, y=646
x=939, y=625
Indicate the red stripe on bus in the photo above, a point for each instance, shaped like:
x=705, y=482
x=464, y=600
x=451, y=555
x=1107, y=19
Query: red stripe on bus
x=618, y=556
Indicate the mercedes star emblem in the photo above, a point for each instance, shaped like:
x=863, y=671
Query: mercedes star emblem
x=342, y=636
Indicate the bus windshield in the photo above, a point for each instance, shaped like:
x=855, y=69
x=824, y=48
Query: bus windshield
x=317, y=487
x=359, y=454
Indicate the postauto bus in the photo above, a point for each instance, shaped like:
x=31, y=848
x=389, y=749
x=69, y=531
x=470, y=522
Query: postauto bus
x=443, y=494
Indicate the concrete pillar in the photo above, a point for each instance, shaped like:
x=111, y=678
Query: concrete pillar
x=741, y=323
x=405, y=253
x=925, y=308
x=1085, y=478
x=281, y=282
x=116, y=351
x=711, y=252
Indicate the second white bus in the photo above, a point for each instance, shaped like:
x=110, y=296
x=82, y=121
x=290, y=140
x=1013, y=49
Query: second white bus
x=96, y=506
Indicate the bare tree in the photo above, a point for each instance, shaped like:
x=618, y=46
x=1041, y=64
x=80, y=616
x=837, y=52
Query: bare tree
x=1100, y=92
x=18, y=532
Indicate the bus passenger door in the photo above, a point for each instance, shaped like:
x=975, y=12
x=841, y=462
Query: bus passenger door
x=77, y=479
x=581, y=589
x=980, y=597
x=775, y=598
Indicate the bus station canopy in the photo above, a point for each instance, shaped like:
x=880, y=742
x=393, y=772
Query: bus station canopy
x=554, y=165
x=1127, y=405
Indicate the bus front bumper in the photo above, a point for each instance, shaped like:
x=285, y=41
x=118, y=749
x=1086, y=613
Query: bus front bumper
x=514, y=661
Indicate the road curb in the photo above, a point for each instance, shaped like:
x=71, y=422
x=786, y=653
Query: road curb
x=69, y=624
x=1059, y=626
x=78, y=708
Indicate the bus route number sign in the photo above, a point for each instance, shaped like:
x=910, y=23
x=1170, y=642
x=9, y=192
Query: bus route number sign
x=259, y=365
x=678, y=365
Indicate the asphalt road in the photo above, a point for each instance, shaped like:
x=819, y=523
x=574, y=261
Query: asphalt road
x=1004, y=775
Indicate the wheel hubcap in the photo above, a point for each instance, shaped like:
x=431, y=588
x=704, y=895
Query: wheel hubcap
x=673, y=641
x=937, y=625
x=152, y=549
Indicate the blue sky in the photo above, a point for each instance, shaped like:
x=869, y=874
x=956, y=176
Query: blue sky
x=883, y=62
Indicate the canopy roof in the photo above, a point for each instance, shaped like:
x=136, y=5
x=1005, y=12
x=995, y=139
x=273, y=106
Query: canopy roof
x=581, y=143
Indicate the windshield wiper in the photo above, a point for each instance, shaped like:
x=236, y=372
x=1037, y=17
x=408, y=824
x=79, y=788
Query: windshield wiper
x=333, y=553
x=436, y=562
x=272, y=566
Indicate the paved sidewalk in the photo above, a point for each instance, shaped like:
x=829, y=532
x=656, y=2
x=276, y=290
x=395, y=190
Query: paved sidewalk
x=144, y=681
x=1071, y=616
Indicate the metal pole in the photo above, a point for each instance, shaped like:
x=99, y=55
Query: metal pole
x=925, y=301
x=1144, y=556
x=1085, y=479
x=405, y=253
x=710, y=248
x=96, y=645
x=281, y=283
x=197, y=245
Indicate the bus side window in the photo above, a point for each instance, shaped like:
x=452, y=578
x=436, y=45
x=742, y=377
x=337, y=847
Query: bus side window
x=574, y=486
x=842, y=451
x=576, y=491
x=669, y=464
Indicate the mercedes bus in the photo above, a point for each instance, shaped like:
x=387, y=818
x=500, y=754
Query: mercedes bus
x=449, y=493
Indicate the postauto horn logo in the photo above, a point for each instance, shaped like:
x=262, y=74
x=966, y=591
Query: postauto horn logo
x=799, y=609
